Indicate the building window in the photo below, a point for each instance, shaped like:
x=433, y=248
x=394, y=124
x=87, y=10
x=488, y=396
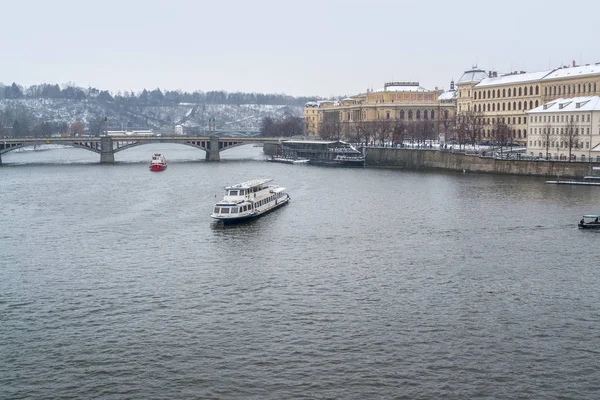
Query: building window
x=536, y=104
x=425, y=114
x=432, y=114
x=503, y=92
x=418, y=114
x=537, y=90
x=410, y=114
x=401, y=114
x=520, y=93
x=508, y=92
x=387, y=115
x=503, y=106
x=525, y=91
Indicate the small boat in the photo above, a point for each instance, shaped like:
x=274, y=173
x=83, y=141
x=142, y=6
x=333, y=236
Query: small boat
x=158, y=162
x=248, y=200
x=589, y=222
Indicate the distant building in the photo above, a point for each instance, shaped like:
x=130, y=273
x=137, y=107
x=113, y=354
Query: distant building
x=407, y=102
x=178, y=129
x=510, y=96
x=563, y=123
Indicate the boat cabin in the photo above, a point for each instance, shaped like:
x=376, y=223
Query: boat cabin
x=590, y=221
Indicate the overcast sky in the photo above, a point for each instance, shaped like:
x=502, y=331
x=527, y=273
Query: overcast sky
x=320, y=47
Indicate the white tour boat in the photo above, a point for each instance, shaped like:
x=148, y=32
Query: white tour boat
x=249, y=200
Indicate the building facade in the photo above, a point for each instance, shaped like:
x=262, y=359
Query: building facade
x=510, y=96
x=396, y=101
x=565, y=127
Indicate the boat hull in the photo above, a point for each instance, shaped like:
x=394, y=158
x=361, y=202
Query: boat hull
x=589, y=226
x=338, y=163
x=157, y=167
x=246, y=218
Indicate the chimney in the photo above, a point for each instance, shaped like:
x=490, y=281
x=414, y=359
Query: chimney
x=489, y=74
x=574, y=63
x=495, y=74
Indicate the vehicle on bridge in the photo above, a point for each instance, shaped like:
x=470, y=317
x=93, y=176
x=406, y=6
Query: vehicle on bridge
x=248, y=200
x=158, y=162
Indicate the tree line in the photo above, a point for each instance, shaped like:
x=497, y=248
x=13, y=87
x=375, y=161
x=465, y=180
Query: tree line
x=146, y=97
x=287, y=126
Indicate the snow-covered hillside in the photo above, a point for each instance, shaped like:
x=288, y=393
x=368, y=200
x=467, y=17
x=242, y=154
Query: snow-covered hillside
x=90, y=112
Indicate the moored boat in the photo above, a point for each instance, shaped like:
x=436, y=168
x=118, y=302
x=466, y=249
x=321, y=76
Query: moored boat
x=589, y=221
x=158, y=162
x=322, y=152
x=288, y=160
x=248, y=200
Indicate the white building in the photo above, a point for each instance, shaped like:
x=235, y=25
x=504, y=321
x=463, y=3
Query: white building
x=555, y=121
x=178, y=129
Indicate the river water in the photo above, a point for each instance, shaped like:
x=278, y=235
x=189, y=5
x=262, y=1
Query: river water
x=371, y=283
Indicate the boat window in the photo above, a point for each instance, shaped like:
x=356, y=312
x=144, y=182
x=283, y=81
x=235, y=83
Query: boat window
x=233, y=192
x=224, y=210
x=216, y=210
x=234, y=210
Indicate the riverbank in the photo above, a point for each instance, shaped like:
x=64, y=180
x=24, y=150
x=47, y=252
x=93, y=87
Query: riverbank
x=453, y=161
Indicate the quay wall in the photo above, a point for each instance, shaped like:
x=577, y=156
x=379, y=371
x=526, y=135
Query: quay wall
x=454, y=161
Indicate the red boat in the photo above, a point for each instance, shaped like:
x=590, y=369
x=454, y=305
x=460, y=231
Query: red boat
x=158, y=163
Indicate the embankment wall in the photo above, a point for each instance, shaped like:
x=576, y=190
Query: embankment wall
x=449, y=161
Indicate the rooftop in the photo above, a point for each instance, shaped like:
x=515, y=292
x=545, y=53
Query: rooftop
x=588, y=103
x=473, y=75
x=512, y=79
x=568, y=72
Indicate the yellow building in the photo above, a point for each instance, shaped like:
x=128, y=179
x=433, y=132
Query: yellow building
x=403, y=101
x=510, y=96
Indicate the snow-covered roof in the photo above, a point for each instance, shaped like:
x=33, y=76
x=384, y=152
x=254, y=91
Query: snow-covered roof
x=249, y=184
x=450, y=95
x=311, y=104
x=570, y=72
x=474, y=75
x=588, y=103
x=512, y=79
x=401, y=88
x=310, y=141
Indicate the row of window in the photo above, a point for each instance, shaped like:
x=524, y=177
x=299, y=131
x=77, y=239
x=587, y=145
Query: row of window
x=516, y=133
x=575, y=88
x=542, y=143
x=492, y=94
x=417, y=114
x=506, y=106
x=555, y=118
x=561, y=131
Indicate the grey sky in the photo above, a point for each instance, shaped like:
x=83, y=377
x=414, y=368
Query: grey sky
x=320, y=47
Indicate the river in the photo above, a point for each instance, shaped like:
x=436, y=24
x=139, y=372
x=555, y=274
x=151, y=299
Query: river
x=371, y=283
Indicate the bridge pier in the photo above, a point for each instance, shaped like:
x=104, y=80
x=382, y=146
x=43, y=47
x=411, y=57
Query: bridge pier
x=213, y=149
x=0, y=158
x=107, y=154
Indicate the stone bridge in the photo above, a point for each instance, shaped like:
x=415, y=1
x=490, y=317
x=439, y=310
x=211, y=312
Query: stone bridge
x=107, y=146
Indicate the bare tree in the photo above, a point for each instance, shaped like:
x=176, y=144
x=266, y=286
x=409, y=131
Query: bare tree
x=475, y=127
x=399, y=132
x=383, y=130
x=546, y=132
x=501, y=133
x=331, y=130
x=76, y=129
x=462, y=129
x=570, y=135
